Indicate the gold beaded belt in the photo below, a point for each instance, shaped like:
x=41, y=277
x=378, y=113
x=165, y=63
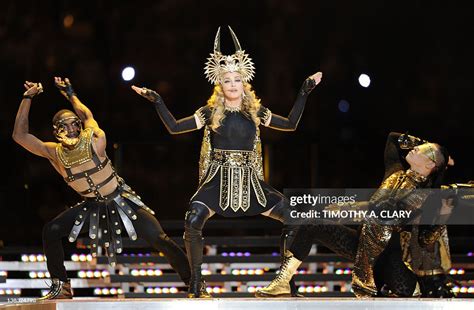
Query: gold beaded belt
x=228, y=158
x=238, y=173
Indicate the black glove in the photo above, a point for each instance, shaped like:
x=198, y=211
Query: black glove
x=408, y=142
x=308, y=85
x=65, y=88
x=151, y=95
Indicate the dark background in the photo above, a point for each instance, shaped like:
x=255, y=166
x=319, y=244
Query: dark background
x=419, y=55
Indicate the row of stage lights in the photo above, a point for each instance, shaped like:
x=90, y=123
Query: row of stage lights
x=464, y=289
x=10, y=291
x=39, y=275
x=93, y=274
x=81, y=257
x=343, y=271
x=235, y=254
x=107, y=291
x=33, y=258
x=139, y=254
x=243, y=272
x=87, y=257
x=456, y=271
x=161, y=290
x=174, y=290
x=146, y=272
x=82, y=274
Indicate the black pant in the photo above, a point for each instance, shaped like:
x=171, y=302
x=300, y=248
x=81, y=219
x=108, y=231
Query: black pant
x=146, y=226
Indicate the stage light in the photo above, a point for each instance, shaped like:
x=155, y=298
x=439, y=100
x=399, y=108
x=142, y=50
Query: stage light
x=128, y=74
x=173, y=290
x=364, y=80
x=3, y=273
x=343, y=106
x=68, y=21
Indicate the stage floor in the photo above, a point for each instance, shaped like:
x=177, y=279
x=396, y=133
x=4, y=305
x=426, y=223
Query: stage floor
x=244, y=303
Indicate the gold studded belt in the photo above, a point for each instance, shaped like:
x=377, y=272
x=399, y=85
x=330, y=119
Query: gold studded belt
x=227, y=158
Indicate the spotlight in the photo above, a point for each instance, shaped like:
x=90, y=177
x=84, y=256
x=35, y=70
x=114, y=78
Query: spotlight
x=68, y=21
x=343, y=106
x=364, y=80
x=128, y=74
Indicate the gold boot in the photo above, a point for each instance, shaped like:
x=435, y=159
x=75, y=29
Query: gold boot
x=58, y=290
x=280, y=286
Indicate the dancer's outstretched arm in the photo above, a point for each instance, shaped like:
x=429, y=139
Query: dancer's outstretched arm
x=291, y=122
x=174, y=126
x=21, y=133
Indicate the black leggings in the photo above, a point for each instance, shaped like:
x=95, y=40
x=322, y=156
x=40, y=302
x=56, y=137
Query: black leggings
x=391, y=275
x=146, y=226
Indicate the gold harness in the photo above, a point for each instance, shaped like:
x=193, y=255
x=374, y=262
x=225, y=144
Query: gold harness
x=81, y=153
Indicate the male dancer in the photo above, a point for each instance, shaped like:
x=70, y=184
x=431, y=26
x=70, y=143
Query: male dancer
x=108, y=205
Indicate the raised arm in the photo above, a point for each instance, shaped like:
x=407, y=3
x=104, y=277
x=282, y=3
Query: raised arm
x=393, y=151
x=174, y=126
x=83, y=112
x=291, y=122
x=21, y=134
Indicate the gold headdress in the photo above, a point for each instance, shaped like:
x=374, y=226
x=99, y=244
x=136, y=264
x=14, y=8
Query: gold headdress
x=219, y=64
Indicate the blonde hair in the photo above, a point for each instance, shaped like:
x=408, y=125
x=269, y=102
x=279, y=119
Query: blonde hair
x=250, y=105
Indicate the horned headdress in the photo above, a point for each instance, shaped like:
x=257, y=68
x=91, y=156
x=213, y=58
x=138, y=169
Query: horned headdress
x=218, y=64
